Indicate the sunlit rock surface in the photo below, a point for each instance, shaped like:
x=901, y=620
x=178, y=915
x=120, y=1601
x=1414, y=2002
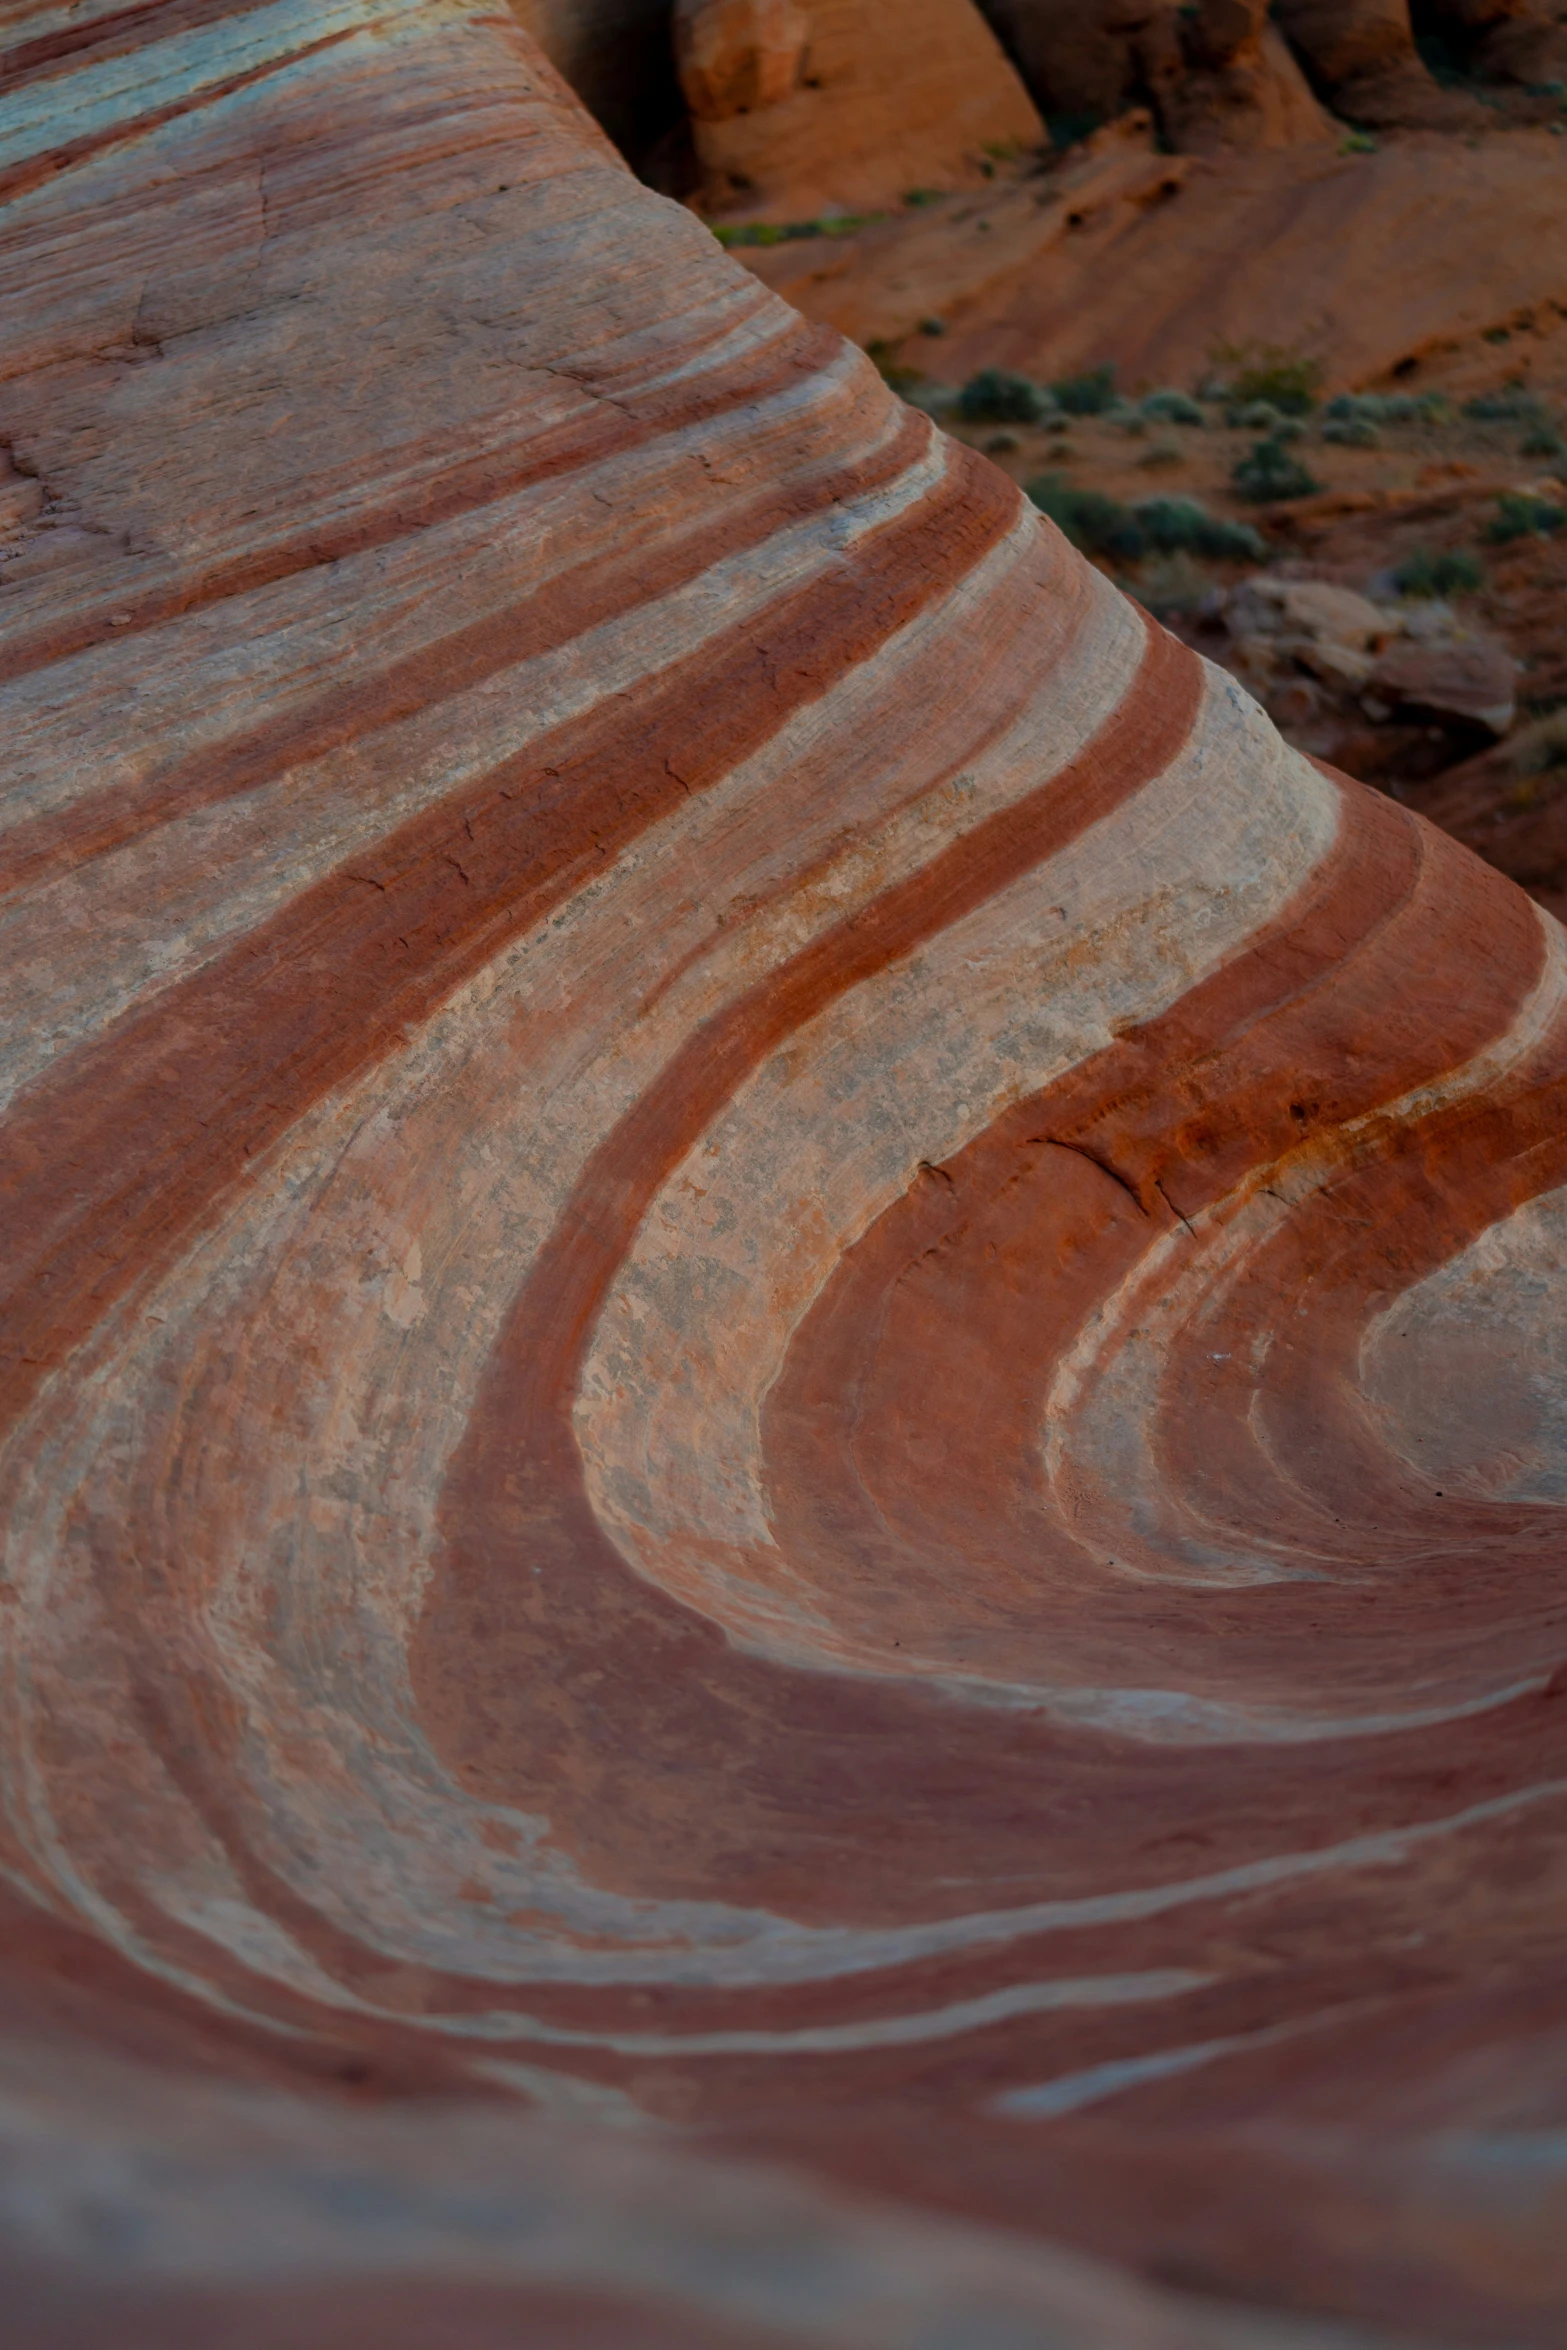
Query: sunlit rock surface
x=782, y=1341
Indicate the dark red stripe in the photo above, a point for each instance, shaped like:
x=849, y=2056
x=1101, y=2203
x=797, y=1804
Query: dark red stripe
x=371, y=700
x=461, y=488
x=111, y=1158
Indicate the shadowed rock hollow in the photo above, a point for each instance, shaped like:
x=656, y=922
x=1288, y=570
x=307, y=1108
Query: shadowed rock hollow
x=783, y=1364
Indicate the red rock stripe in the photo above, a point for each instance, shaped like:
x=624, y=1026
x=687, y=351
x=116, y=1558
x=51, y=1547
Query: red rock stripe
x=216, y=1069
x=878, y=1478
x=566, y=607
x=116, y=33
x=489, y=1662
x=185, y=1712
x=18, y=179
x=1344, y=1254
x=495, y=472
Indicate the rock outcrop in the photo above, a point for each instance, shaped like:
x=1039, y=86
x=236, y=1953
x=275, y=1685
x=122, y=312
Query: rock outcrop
x=800, y=107
x=1222, y=68
x=1239, y=88
x=1362, y=52
x=782, y=1370
x=1218, y=74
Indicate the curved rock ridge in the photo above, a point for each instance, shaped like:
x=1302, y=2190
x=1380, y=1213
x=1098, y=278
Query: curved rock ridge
x=782, y=1353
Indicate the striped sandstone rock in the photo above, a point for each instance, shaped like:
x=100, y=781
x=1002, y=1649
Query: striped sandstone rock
x=783, y=1375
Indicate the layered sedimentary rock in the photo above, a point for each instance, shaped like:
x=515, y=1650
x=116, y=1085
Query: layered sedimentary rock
x=805, y=106
x=782, y=1341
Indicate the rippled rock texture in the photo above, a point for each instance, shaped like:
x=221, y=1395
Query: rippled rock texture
x=783, y=1347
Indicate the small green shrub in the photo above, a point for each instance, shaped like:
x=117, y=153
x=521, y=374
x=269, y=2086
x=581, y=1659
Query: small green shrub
x=1384, y=408
x=1447, y=571
x=1174, y=526
x=995, y=397
x=1511, y=405
x=1163, y=453
x=1089, y=394
x=1544, y=441
x=1173, y=407
x=1160, y=527
x=918, y=198
x=1173, y=585
x=1287, y=380
x=1536, y=749
x=1261, y=416
x=1269, y=472
x=1098, y=524
x=1519, y=515
x=1352, y=432
x=786, y=232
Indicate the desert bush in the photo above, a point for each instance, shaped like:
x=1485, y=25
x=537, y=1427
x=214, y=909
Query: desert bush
x=1261, y=416
x=1173, y=407
x=1100, y=525
x=1384, y=408
x=1268, y=471
x=1535, y=749
x=1543, y=441
x=1089, y=394
x=1351, y=432
x=1263, y=371
x=785, y=232
x=995, y=397
x=1446, y=571
x=1513, y=404
x=1174, y=584
x=1521, y=515
x=1161, y=454
x=1173, y=526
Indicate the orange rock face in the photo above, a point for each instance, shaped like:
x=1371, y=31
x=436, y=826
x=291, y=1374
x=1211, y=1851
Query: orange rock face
x=803, y=106
x=783, y=1383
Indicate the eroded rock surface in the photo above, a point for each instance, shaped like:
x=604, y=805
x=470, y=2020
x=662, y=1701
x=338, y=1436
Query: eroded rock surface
x=805, y=106
x=782, y=1340
x=1218, y=74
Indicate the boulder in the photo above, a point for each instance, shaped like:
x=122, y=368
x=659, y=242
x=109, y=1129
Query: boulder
x=1310, y=608
x=736, y=57
x=804, y=107
x=1474, y=679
